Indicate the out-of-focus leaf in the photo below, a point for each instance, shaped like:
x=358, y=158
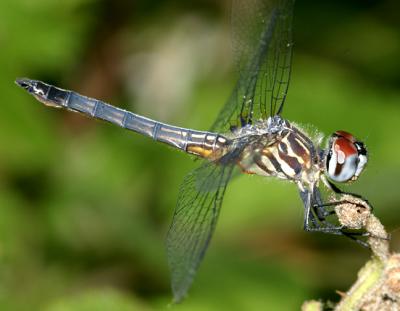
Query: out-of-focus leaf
x=98, y=300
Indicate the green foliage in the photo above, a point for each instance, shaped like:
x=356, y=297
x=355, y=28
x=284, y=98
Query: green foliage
x=98, y=300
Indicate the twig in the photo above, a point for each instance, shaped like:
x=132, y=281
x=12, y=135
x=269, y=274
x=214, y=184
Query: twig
x=378, y=283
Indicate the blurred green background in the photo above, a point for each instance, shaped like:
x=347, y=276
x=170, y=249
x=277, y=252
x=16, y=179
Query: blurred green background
x=85, y=206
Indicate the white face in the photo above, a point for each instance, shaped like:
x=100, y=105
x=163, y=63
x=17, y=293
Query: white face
x=346, y=158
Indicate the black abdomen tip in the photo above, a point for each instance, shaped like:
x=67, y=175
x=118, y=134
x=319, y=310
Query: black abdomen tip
x=24, y=82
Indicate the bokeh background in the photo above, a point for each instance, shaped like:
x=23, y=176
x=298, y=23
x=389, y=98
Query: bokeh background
x=85, y=206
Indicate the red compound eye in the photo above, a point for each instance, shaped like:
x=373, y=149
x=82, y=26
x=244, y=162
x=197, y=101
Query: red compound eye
x=344, y=148
x=346, y=158
x=345, y=135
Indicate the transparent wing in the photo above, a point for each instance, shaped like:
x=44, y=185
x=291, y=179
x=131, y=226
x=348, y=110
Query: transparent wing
x=262, y=40
x=194, y=221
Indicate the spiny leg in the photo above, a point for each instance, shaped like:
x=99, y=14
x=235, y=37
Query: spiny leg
x=322, y=225
x=308, y=215
x=338, y=191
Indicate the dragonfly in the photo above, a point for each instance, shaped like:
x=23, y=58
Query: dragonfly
x=249, y=135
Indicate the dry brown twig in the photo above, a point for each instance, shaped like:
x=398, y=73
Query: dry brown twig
x=378, y=282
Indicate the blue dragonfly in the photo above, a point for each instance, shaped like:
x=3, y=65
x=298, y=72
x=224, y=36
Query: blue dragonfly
x=249, y=135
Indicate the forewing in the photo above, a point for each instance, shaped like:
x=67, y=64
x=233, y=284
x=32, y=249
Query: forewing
x=262, y=43
x=194, y=221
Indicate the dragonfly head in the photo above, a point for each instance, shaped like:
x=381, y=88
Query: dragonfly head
x=346, y=157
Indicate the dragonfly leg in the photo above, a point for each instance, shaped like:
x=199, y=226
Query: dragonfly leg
x=315, y=218
x=309, y=218
x=336, y=189
x=326, y=227
x=315, y=214
x=320, y=212
x=322, y=207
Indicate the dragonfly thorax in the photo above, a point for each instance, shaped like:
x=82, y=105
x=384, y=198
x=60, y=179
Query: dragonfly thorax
x=276, y=124
x=281, y=150
x=272, y=125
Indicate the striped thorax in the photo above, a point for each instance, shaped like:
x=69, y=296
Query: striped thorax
x=281, y=150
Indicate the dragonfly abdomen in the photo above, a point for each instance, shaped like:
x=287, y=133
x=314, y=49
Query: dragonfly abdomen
x=200, y=143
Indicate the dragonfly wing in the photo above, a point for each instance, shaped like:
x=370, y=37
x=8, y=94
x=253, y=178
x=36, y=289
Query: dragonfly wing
x=194, y=221
x=262, y=40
